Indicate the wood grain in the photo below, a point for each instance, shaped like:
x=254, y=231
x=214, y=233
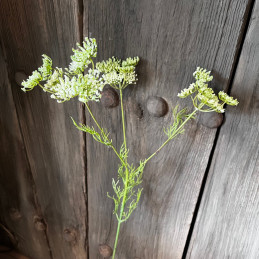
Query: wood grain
x=55, y=149
x=172, y=38
x=5, y=253
x=227, y=224
x=17, y=201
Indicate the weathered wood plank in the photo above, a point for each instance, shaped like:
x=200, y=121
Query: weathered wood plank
x=18, y=203
x=227, y=223
x=172, y=38
x=55, y=148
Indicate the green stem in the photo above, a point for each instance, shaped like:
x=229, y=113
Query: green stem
x=116, y=239
x=46, y=90
x=175, y=134
x=92, y=64
x=126, y=180
x=100, y=128
x=123, y=121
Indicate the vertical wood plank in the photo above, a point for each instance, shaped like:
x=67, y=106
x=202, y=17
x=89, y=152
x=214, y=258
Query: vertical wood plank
x=172, y=38
x=17, y=200
x=227, y=223
x=54, y=147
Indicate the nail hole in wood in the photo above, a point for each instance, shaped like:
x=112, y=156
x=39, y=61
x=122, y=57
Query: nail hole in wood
x=211, y=120
x=70, y=235
x=39, y=223
x=105, y=250
x=157, y=106
x=109, y=98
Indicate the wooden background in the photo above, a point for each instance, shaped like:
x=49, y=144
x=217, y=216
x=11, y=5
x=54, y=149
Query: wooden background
x=201, y=193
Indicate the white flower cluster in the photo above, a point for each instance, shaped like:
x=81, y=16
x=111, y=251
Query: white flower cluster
x=87, y=87
x=92, y=86
x=227, y=99
x=117, y=73
x=187, y=91
x=66, y=85
x=208, y=97
x=43, y=73
x=46, y=68
x=113, y=78
x=53, y=80
x=32, y=81
x=83, y=55
x=202, y=75
x=205, y=94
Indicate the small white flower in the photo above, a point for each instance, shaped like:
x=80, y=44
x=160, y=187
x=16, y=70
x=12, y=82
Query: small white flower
x=227, y=99
x=187, y=91
x=32, y=81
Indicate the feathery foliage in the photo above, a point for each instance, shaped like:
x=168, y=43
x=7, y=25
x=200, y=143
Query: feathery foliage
x=102, y=137
x=178, y=118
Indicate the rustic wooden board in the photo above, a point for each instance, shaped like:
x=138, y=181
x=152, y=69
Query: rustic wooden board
x=55, y=149
x=227, y=223
x=18, y=201
x=172, y=38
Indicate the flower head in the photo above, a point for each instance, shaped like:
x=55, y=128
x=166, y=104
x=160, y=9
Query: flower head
x=92, y=86
x=227, y=99
x=117, y=73
x=187, y=91
x=82, y=56
x=32, y=81
x=65, y=89
x=202, y=75
x=205, y=95
x=110, y=65
x=46, y=68
x=67, y=84
x=87, y=87
x=44, y=72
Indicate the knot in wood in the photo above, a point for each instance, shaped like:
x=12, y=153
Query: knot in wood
x=39, y=223
x=70, y=235
x=211, y=120
x=19, y=77
x=157, y=106
x=15, y=214
x=105, y=250
x=109, y=98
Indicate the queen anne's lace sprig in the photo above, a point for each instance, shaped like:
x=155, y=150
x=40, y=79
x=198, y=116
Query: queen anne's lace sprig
x=205, y=95
x=87, y=84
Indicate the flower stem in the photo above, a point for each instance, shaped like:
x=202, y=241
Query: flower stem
x=116, y=240
x=126, y=180
x=100, y=128
x=190, y=116
x=123, y=120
